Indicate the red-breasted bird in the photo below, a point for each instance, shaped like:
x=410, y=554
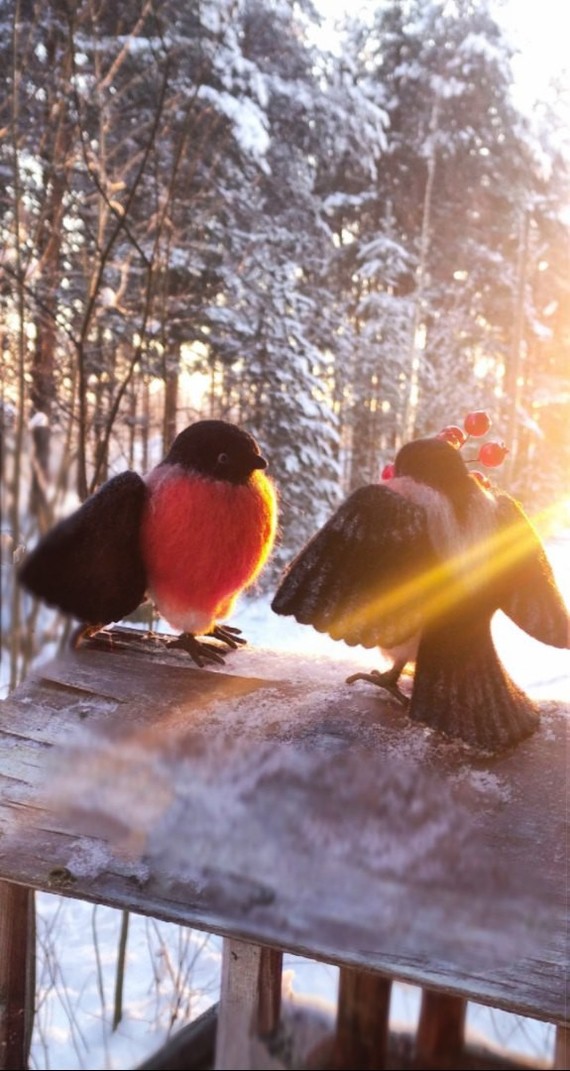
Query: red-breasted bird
x=418, y=566
x=191, y=535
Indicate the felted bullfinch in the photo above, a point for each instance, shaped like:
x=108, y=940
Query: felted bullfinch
x=417, y=566
x=191, y=535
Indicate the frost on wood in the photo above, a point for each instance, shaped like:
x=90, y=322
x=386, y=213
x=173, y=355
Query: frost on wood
x=270, y=801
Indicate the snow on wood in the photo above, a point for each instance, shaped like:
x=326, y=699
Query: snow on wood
x=270, y=802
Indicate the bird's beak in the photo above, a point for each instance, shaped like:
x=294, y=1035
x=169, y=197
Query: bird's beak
x=259, y=462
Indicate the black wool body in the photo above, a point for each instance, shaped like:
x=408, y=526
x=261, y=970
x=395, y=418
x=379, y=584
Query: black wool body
x=418, y=566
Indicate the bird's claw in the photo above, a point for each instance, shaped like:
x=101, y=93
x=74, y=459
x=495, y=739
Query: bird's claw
x=228, y=635
x=381, y=680
x=89, y=632
x=200, y=652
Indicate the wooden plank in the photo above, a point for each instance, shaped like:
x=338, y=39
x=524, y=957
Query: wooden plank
x=269, y=991
x=284, y=808
x=17, y=972
x=562, y=1049
x=361, y=1036
x=441, y=1027
x=250, y=995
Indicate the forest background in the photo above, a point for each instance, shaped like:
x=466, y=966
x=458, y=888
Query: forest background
x=207, y=212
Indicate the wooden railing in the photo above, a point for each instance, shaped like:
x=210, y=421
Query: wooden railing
x=273, y=805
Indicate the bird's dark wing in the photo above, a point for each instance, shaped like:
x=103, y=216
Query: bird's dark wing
x=90, y=564
x=528, y=591
x=358, y=579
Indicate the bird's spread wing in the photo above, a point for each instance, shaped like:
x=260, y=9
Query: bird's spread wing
x=357, y=579
x=90, y=564
x=529, y=594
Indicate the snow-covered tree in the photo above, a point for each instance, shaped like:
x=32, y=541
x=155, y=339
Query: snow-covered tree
x=346, y=247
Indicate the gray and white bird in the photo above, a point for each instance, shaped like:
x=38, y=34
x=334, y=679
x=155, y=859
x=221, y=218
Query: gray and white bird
x=417, y=566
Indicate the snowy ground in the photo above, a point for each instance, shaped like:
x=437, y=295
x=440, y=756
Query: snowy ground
x=172, y=973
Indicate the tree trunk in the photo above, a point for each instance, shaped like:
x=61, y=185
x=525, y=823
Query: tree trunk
x=417, y=342
x=55, y=155
x=514, y=364
x=170, y=412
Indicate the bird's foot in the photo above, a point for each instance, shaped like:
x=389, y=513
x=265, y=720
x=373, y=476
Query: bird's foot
x=387, y=681
x=200, y=652
x=85, y=632
x=228, y=634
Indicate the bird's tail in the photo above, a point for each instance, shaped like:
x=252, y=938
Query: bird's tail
x=462, y=689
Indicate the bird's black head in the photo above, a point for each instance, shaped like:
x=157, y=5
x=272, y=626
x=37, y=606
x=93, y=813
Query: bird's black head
x=438, y=464
x=217, y=449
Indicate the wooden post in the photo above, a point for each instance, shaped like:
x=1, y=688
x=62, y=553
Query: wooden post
x=269, y=991
x=361, y=1037
x=441, y=1026
x=562, y=1050
x=17, y=974
x=250, y=1001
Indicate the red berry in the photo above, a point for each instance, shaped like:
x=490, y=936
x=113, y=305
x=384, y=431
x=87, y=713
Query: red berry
x=477, y=423
x=492, y=454
x=452, y=434
x=388, y=471
x=480, y=477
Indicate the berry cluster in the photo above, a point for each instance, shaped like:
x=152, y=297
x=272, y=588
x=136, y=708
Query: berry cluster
x=475, y=426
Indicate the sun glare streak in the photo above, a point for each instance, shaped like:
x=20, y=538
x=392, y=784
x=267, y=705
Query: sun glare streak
x=553, y=520
x=448, y=583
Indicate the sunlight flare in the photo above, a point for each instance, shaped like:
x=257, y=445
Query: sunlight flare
x=442, y=587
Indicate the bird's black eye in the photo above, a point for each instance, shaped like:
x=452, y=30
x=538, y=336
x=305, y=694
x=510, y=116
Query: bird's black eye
x=223, y=459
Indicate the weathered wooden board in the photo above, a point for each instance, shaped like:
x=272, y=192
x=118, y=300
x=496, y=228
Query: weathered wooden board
x=271, y=802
